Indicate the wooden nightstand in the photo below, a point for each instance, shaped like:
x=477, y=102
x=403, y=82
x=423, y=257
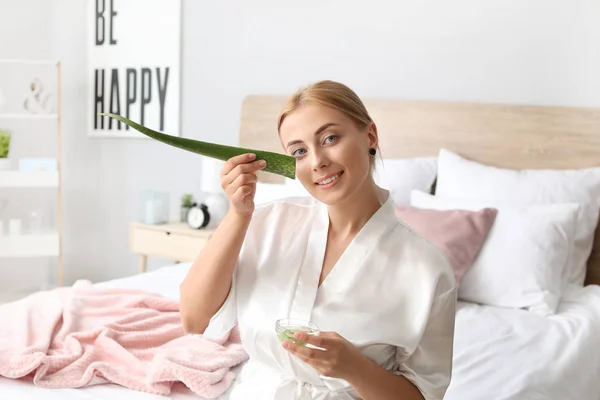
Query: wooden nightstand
x=175, y=241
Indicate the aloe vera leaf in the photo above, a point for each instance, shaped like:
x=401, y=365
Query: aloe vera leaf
x=288, y=334
x=277, y=163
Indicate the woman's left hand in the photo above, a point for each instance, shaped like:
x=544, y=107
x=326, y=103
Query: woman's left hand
x=338, y=359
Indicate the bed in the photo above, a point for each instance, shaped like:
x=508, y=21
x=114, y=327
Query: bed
x=501, y=353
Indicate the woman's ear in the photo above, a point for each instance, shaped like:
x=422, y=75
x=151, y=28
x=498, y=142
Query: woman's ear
x=372, y=135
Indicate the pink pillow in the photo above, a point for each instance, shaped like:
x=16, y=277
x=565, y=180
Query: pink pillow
x=459, y=234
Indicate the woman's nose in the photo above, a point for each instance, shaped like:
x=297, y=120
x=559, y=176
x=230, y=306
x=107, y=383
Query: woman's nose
x=319, y=160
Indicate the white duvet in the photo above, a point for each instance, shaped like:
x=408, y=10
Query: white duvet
x=507, y=354
x=500, y=354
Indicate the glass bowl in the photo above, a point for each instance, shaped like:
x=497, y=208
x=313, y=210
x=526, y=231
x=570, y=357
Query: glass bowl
x=287, y=327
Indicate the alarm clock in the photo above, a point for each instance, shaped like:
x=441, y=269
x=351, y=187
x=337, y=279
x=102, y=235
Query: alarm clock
x=198, y=216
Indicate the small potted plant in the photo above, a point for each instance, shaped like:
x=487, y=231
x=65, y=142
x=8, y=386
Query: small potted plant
x=4, y=149
x=186, y=202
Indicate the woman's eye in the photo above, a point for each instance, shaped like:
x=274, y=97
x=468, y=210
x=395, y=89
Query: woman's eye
x=296, y=153
x=331, y=138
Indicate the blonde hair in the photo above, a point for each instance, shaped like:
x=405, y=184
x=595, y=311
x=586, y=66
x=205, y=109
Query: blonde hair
x=330, y=94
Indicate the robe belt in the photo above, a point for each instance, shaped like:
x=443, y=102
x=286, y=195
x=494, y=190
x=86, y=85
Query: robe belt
x=307, y=391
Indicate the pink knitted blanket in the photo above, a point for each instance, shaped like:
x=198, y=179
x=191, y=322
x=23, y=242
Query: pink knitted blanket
x=84, y=335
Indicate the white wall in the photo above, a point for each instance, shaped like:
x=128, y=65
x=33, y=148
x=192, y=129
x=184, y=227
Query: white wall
x=535, y=52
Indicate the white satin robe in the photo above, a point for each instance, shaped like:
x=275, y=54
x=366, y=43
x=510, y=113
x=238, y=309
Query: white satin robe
x=392, y=294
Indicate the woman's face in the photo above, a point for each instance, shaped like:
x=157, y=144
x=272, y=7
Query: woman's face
x=332, y=153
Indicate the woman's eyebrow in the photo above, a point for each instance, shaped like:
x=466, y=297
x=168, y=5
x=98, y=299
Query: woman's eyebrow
x=321, y=129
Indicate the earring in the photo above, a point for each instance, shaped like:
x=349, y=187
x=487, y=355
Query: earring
x=372, y=151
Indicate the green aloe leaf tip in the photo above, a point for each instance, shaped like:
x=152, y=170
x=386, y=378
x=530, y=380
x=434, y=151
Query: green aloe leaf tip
x=277, y=163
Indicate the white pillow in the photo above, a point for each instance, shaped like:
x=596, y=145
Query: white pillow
x=522, y=260
x=266, y=192
x=401, y=175
x=460, y=178
x=295, y=188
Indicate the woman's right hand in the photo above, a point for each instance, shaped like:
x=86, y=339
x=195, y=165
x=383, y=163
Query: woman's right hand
x=238, y=180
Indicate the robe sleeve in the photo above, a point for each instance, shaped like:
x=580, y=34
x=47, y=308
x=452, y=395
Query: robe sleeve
x=429, y=367
x=226, y=317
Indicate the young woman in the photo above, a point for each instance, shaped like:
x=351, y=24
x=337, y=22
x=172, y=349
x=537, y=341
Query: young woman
x=383, y=297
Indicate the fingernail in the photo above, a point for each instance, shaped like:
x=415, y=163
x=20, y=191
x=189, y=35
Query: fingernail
x=262, y=164
x=252, y=156
x=298, y=336
x=286, y=344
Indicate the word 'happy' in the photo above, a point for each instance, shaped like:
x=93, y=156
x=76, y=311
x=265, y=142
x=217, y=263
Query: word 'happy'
x=128, y=87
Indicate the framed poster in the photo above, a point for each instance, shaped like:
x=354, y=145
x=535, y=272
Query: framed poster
x=134, y=50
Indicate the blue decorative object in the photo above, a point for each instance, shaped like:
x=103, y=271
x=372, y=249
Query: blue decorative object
x=153, y=207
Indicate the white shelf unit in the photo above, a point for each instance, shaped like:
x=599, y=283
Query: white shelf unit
x=34, y=179
x=46, y=244
x=29, y=116
x=32, y=245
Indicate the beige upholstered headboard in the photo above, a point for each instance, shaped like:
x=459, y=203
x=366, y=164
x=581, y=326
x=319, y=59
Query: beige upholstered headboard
x=508, y=136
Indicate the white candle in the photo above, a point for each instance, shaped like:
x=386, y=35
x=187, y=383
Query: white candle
x=14, y=226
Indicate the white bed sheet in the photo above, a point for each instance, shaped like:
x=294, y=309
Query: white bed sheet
x=500, y=354
x=508, y=354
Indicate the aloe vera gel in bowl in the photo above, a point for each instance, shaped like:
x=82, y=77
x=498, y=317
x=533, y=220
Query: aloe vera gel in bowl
x=287, y=327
